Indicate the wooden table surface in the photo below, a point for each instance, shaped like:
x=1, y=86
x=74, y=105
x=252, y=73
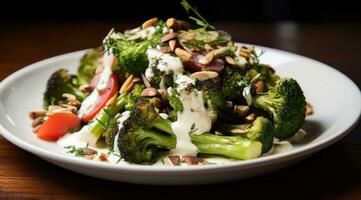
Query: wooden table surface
x=333, y=173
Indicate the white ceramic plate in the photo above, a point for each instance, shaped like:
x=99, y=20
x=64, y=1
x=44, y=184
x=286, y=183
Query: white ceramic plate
x=335, y=99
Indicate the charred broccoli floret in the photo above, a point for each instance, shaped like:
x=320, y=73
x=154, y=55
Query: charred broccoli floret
x=233, y=83
x=111, y=130
x=285, y=102
x=211, y=89
x=264, y=73
x=145, y=136
x=137, y=142
x=88, y=65
x=133, y=97
x=259, y=130
x=61, y=82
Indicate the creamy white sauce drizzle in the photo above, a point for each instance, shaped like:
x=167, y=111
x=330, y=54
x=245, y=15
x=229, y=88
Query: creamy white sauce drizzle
x=124, y=116
x=89, y=102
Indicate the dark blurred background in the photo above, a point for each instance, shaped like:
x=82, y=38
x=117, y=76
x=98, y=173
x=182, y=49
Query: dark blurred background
x=220, y=10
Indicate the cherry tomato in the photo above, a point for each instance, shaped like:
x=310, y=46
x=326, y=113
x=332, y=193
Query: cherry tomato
x=58, y=125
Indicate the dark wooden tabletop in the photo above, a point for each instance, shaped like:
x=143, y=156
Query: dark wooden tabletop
x=333, y=173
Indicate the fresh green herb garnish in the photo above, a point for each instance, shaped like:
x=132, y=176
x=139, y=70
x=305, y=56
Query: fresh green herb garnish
x=76, y=151
x=201, y=21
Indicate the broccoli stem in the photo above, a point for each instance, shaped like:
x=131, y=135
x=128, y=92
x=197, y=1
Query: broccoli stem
x=97, y=125
x=228, y=146
x=156, y=139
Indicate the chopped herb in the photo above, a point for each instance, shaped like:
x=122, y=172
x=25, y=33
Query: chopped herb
x=76, y=151
x=200, y=20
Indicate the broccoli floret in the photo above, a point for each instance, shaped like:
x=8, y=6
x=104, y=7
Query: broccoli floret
x=285, y=102
x=233, y=83
x=227, y=146
x=132, y=55
x=260, y=130
x=211, y=89
x=88, y=65
x=136, y=142
x=111, y=130
x=61, y=82
x=144, y=136
x=98, y=125
x=265, y=74
x=133, y=97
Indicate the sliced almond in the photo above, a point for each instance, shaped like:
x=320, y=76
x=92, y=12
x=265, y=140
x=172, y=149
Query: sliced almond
x=205, y=60
x=69, y=97
x=230, y=60
x=168, y=37
x=176, y=160
x=70, y=107
x=36, y=128
x=204, y=75
x=243, y=54
x=309, y=109
x=183, y=55
x=149, y=92
x=88, y=151
x=172, y=44
x=241, y=110
x=251, y=117
x=165, y=49
x=37, y=121
x=218, y=133
x=85, y=88
x=126, y=84
x=172, y=23
x=149, y=22
x=36, y=114
x=146, y=81
x=259, y=86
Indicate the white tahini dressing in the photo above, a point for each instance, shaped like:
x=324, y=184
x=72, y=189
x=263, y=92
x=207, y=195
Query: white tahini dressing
x=124, y=116
x=89, y=102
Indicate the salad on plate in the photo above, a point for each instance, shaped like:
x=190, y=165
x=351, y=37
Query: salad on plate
x=171, y=93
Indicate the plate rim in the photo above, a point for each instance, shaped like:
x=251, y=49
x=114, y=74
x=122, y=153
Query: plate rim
x=282, y=157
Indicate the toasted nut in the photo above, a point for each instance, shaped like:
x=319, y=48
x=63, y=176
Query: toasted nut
x=220, y=51
x=103, y=157
x=165, y=49
x=259, y=86
x=149, y=92
x=191, y=160
x=239, y=130
x=126, y=84
x=37, y=121
x=146, y=81
x=70, y=107
x=75, y=103
x=243, y=54
x=230, y=60
x=172, y=44
x=168, y=37
x=88, y=151
x=183, y=24
x=207, y=58
x=36, y=114
x=204, y=75
x=176, y=161
x=229, y=104
x=218, y=133
x=51, y=108
x=189, y=36
x=149, y=23
x=241, y=110
x=111, y=100
x=183, y=55
x=309, y=109
x=69, y=97
x=172, y=23
x=36, y=128
x=85, y=88
x=251, y=117
x=163, y=94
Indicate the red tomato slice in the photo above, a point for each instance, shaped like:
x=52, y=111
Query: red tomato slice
x=111, y=90
x=58, y=125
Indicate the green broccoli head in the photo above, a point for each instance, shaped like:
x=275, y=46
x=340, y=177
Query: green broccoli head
x=233, y=83
x=265, y=72
x=286, y=104
x=132, y=98
x=61, y=82
x=211, y=89
x=88, y=65
x=136, y=142
x=261, y=129
x=110, y=132
x=134, y=58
